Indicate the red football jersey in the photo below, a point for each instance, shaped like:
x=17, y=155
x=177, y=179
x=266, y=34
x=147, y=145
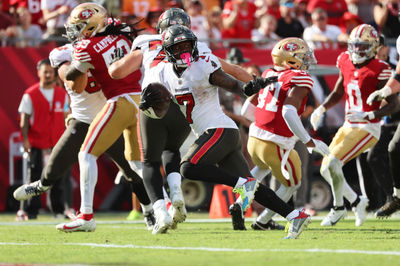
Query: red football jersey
x=99, y=51
x=268, y=114
x=360, y=83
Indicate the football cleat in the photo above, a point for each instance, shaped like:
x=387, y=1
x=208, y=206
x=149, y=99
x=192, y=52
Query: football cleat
x=333, y=217
x=247, y=191
x=163, y=222
x=237, y=216
x=177, y=210
x=360, y=211
x=28, y=191
x=389, y=208
x=297, y=225
x=270, y=225
x=82, y=223
x=150, y=220
x=21, y=216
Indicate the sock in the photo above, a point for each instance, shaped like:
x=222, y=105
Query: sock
x=159, y=204
x=137, y=167
x=259, y=173
x=166, y=197
x=146, y=208
x=240, y=182
x=355, y=203
x=174, y=179
x=88, y=180
x=292, y=215
x=349, y=193
x=396, y=192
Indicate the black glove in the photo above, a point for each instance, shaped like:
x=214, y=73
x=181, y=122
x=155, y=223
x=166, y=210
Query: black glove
x=258, y=83
x=118, y=54
x=149, y=98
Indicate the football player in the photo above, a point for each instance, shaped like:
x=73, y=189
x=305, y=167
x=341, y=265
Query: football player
x=94, y=50
x=216, y=155
x=277, y=124
x=162, y=138
x=360, y=75
x=86, y=101
x=391, y=87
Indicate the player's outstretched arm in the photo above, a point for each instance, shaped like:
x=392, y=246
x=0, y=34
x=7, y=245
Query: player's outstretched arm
x=235, y=71
x=221, y=79
x=126, y=65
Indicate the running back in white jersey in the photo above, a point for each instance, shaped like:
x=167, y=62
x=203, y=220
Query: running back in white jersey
x=197, y=98
x=84, y=105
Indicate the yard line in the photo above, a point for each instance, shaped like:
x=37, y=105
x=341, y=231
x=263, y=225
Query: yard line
x=211, y=249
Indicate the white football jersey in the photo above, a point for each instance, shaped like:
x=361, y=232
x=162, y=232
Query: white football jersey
x=87, y=104
x=197, y=98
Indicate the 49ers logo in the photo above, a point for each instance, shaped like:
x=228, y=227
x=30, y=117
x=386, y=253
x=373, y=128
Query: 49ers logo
x=374, y=33
x=290, y=47
x=85, y=14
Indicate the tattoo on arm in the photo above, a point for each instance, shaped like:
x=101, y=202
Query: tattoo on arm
x=221, y=79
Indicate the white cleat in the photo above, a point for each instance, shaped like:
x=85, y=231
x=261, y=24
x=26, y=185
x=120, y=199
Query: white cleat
x=333, y=217
x=247, y=191
x=163, y=222
x=360, y=211
x=28, y=191
x=177, y=210
x=78, y=225
x=296, y=226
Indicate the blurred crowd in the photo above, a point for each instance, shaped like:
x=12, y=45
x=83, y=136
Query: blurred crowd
x=238, y=23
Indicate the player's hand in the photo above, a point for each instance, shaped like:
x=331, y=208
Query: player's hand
x=379, y=95
x=118, y=54
x=258, y=83
x=320, y=147
x=149, y=98
x=316, y=116
x=356, y=116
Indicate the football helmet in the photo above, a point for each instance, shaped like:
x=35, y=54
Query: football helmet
x=171, y=17
x=180, y=45
x=85, y=21
x=293, y=53
x=363, y=43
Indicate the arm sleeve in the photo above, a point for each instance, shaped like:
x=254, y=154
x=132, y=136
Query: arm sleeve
x=293, y=121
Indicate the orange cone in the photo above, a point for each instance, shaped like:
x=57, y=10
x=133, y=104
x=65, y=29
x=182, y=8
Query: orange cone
x=222, y=198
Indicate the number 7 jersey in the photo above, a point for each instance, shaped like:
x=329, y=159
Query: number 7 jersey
x=268, y=114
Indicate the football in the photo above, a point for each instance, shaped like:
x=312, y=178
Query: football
x=160, y=108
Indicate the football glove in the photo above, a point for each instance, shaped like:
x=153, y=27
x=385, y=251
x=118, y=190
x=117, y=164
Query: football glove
x=258, y=83
x=379, y=95
x=321, y=147
x=360, y=116
x=149, y=98
x=316, y=116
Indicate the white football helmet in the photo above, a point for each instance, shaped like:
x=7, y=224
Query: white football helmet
x=293, y=53
x=85, y=21
x=363, y=43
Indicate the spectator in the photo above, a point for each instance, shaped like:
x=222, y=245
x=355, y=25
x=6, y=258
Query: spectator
x=348, y=22
x=364, y=9
x=265, y=36
x=34, y=9
x=270, y=7
x=139, y=8
x=254, y=70
x=385, y=16
x=321, y=35
x=300, y=9
x=214, y=27
x=26, y=34
x=152, y=19
x=334, y=9
x=288, y=25
x=42, y=124
x=239, y=18
x=55, y=15
x=198, y=20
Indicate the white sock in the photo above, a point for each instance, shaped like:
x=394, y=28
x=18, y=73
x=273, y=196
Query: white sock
x=259, y=173
x=348, y=192
x=174, y=179
x=166, y=197
x=88, y=180
x=396, y=192
x=137, y=167
x=146, y=208
x=292, y=215
x=240, y=181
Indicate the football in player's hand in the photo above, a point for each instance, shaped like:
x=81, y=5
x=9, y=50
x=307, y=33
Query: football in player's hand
x=155, y=100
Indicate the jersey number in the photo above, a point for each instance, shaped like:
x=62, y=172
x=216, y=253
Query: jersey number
x=354, y=93
x=188, y=101
x=271, y=106
x=108, y=55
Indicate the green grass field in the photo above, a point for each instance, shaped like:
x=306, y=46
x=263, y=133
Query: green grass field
x=197, y=242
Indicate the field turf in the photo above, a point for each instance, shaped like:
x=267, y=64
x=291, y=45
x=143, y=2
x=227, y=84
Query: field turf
x=198, y=242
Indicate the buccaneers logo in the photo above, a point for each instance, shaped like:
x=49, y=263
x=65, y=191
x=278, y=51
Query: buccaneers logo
x=290, y=47
x=85, y=14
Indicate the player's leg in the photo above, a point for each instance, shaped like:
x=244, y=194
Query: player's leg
x=62, y=157
x=394, y=159
x=268, y=154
